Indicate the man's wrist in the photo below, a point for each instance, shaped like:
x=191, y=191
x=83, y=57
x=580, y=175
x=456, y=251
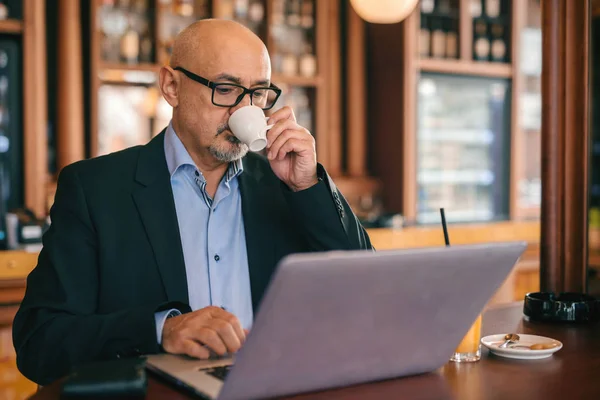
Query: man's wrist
x=160, y=318
x=309, y=184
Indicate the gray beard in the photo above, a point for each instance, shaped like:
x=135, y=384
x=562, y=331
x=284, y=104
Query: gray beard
x=235, y=152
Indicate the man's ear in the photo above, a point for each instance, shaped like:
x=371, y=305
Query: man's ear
x=168, y=82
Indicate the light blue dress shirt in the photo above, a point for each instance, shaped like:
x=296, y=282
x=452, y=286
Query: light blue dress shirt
x=212, y=236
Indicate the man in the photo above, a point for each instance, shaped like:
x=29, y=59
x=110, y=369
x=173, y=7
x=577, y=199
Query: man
x=170, y=246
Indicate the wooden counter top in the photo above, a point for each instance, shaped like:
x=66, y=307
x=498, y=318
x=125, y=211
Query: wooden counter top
x=428, y=236
x=16, y=264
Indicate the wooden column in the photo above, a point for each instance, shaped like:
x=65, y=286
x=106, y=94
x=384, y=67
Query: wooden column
x=466, y=29
x=356, y=95
x=565, y=135
x=70, y=134
x=35, y=110
x=409, y=109
x=517, y=143
x=327, y=125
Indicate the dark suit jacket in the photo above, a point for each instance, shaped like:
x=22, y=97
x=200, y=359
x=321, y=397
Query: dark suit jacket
x=112, y=256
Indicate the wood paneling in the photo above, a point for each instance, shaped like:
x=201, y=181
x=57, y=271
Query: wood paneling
x=385, y=94
x=565, y=135
x=445, y=66
x=70, y=135
x=333, y=88
x=11, y=26
x=94, y=55
x=323, y=30
x=410, y=75
x=356, y=89
x=35, y=110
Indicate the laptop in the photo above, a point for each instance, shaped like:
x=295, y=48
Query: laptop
x=338, y=318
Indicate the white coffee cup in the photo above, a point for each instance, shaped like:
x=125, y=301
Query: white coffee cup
x=249, y=125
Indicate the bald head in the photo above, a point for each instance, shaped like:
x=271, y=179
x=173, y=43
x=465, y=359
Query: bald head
x=208, y=42
x=222, y=52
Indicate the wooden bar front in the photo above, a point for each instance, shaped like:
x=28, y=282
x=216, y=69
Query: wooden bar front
x=565, y=136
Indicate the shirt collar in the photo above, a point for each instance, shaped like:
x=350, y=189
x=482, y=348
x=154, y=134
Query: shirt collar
x=177, y=156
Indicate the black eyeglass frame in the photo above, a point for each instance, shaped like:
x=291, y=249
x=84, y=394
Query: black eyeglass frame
x=213, y=85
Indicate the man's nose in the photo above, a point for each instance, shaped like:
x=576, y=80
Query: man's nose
x=244, y=102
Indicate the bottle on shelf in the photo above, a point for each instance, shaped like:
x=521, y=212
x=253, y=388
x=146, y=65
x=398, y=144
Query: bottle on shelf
x=427, y=6
x=294, y=9
x=4, y=11
x=278, y=12
x=184, y=8
x=424, y=38
x=130, y=45
x=438, y=39
x=146, y=46
x=112, y=27
x=308, y=62
x=476, y=8
x=492, y=8
x=307, y=20
x=498, y=47
x=256, y=12
x=452, y=39
x=289, y=65
x=481, y=42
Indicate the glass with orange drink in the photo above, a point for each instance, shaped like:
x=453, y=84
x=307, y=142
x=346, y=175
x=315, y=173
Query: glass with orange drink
x=469, y=349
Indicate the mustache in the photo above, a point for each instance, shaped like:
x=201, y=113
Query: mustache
x=230, y=138
x=222, y=129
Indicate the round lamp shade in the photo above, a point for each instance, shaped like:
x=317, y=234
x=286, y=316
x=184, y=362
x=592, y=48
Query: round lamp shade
x=383, y=11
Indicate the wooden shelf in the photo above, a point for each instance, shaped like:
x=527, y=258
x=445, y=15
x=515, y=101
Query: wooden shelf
x=429, y=236
x=459, y=67
x=113, y=72
x=138, y=74
x=11, y=26
x=147, y=67
x=296, y=80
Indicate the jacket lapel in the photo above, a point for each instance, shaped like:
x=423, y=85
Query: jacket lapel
x=259, y=243
x=153, y=197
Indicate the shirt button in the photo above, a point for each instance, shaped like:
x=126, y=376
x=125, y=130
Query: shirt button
x=217, y=258
x=197, y=173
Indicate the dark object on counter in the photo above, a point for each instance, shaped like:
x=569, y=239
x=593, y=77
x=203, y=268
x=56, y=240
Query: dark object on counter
x=29, y=228
x=388, y=220
x=564, y=307
x=121, y=378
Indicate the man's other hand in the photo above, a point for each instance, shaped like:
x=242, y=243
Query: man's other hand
x=197, y=333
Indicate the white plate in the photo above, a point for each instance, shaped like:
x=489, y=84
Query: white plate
x=514, y=351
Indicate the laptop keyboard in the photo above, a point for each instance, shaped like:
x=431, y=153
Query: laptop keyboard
x=219, y=372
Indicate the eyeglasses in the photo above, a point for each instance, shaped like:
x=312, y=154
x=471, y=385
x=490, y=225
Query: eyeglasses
x=230, y=94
